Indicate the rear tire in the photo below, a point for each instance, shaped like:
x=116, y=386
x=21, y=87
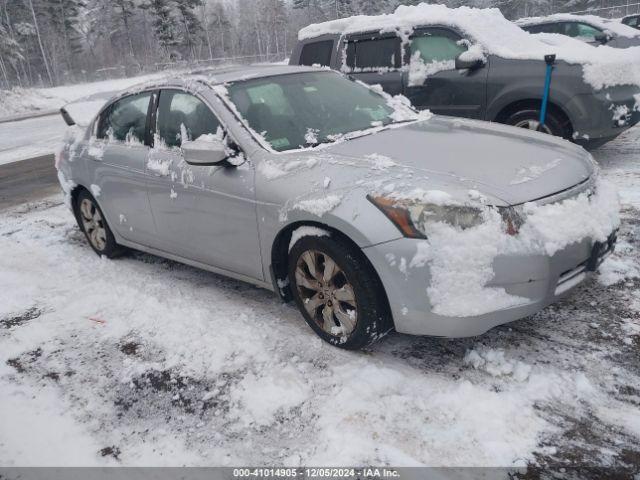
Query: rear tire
x=529, y=118
x=94, y=225
x=338, y=292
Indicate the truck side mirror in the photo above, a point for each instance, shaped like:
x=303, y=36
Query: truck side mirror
x=464, y=64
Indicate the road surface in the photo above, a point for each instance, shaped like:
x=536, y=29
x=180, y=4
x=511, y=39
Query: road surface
x=27, y=181
x=30, y=138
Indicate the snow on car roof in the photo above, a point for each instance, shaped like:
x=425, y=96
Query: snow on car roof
x=603, y=66
x=245, y=72
x=602, y=23
x=215, y=76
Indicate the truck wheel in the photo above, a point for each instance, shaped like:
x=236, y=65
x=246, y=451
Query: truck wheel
x=530, y=119
x=338, y=292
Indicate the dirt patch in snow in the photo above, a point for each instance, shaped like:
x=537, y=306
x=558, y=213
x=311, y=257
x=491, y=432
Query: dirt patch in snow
x=17, y=320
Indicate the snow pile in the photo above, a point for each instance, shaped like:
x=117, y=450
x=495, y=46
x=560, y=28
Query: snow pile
x=96, y=148
x=526, y=174
x=380, y=162
x=401, y=106
x=496, y=364
x=67, y=187
x=550, y=228
x=307, y=231
x=160, y=165
x=603, y=66
x=461, y=261
x=602, y=23
x=419, y=71
x=461, y=265
x=318, y=206
x=311, y=137
x=272, y=170
x=259, y=398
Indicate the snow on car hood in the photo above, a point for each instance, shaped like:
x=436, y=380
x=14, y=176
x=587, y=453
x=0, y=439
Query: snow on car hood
x=514, y=165
x=498, y=36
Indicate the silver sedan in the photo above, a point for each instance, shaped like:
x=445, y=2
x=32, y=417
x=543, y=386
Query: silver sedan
x=369, y=215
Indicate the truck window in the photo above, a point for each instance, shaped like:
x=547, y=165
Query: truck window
x=317, y=53
x=375, y=53
x=436, y=48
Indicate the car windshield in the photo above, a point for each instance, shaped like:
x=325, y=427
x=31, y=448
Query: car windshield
x=306, y=109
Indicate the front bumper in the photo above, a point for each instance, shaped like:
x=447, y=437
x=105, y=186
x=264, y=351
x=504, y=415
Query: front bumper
x=541, y=279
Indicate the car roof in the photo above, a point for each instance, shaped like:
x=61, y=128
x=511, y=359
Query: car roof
x=220, y=75
x=212, y=76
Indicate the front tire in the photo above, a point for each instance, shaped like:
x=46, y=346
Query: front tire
x=338, y=292
x=94, y=225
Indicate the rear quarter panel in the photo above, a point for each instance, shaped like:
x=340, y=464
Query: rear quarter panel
x=511, y=81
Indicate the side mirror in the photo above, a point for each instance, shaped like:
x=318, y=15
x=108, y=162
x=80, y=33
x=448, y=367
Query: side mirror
x=603, y=38
x=464, y=64
x=204, y=152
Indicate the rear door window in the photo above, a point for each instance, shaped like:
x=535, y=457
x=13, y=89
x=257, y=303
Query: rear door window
x=317, y=53
x=374, y=53
x=125, y=120
x=182, y=116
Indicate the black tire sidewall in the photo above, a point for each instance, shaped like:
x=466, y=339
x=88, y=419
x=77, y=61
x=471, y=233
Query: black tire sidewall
x=374, y=319
x=551, y=121
x=111, y=249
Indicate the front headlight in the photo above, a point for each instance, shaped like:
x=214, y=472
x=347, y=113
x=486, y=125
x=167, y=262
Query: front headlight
x=413, y=218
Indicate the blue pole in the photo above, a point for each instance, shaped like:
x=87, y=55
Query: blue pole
x=549, y=59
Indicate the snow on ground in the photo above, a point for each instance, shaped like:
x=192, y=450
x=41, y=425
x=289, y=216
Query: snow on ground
x=143, y=361
x=30, y=138
x=29, y=100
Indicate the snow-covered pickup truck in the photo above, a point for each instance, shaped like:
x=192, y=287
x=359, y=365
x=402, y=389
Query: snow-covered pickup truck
x=369, y=214
x=474, y=63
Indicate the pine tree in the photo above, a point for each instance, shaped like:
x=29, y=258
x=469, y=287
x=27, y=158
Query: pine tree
x=163, y=22
x=191, y=25
x=10, y=52
x=124, y=10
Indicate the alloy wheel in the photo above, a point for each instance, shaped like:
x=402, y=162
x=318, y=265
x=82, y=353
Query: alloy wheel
x=533, y=125
x=326, y=293
x=93, y=224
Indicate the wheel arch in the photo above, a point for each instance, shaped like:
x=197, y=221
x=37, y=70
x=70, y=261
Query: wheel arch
x=534, y=103
x=280, y=257
x=75, y=192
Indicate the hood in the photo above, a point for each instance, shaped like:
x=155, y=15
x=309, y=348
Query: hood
x=511, y=164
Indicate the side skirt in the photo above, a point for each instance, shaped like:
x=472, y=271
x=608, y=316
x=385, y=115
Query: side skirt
x=193, y=263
